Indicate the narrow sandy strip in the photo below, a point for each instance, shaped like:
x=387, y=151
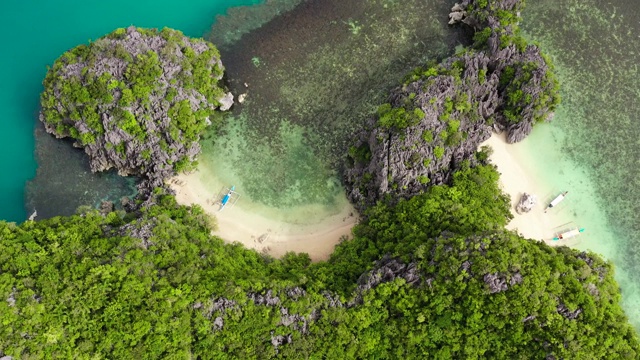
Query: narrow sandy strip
x=271, y=236
x=518, y=177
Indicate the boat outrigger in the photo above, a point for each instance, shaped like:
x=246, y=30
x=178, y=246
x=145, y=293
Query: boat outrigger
x=556, y=200
x=568, y=234
x=231, y=197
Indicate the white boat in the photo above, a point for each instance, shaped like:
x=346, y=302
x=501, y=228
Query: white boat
x=568, y=234
x=556, y=200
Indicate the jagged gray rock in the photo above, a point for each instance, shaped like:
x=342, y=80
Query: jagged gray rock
x=278, y=340
x=434, y=123
x=564, y=311
x=526, y=203
x=267, y=299
x=136, y=100
x=226, y=101
x=106, y=207
x=600, y=270
x=495, y=283
x=11, y=300
x=296, y=321
x=139, y=229
x=500, y=282
x=295, y=293
x=385, y=270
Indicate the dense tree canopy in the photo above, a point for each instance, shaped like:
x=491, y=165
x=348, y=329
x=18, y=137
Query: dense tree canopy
x=432, y=277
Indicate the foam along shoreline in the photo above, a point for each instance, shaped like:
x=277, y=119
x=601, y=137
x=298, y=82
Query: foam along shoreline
x=517, y=176
x=274, y=236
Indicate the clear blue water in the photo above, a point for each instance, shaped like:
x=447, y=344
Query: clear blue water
x=36, y=33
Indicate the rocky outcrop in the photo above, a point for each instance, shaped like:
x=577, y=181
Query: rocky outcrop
x=141, y=229
x=499, y=282
x=564, y=311
x=595, y=266
x=217, y=305
x=268, y=299
x=526, y=203
x=385, y=270
x=279, y=340
x=434, y=123
x=457, y=14
x=136, y=100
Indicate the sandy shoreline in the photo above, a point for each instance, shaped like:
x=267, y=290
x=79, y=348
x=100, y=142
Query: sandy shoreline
x=318, y=237
x=272, y=236
x=518, y=177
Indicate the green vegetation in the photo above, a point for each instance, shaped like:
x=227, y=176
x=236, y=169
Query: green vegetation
x=156, y=284
x=515, y=78
x=438, y=152
x=360, y=153
x=399, y=118
x=431, y=276
x=427, y=136
x=119, y=82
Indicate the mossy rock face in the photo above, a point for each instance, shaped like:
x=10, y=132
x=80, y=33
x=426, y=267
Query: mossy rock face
x=137, y=99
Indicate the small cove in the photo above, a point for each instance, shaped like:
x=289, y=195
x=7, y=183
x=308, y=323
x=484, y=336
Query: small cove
x=591, y=147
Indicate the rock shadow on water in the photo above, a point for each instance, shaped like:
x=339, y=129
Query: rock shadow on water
x=64, y=180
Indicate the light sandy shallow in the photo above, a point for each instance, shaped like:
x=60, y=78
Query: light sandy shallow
x=518, y=177
x=315, y=232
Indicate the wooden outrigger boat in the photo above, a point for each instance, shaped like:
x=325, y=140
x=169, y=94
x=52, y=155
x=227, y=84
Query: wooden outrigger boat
x=556, y=200
x=231, y=197
x=568, y=234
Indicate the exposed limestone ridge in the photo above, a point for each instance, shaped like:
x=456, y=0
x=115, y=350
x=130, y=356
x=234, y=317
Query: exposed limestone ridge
x=433, y=124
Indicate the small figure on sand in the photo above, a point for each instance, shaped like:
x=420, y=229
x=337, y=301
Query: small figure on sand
x=556, y=201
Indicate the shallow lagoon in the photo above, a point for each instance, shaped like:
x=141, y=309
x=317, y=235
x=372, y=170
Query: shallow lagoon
x=591, y=147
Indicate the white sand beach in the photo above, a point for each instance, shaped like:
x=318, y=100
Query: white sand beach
x=517, y=177
x=313, y=233
x=317, y=233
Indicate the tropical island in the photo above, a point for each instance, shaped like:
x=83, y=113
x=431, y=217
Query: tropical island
x=430, y=273
x=136, y=100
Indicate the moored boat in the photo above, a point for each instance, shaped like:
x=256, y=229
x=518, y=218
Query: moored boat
x=568, y=234
x=556, y=200
x=228, y=196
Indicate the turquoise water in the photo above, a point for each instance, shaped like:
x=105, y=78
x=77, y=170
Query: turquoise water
x=36, y=33
x=312, y=78
x=591, y=148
